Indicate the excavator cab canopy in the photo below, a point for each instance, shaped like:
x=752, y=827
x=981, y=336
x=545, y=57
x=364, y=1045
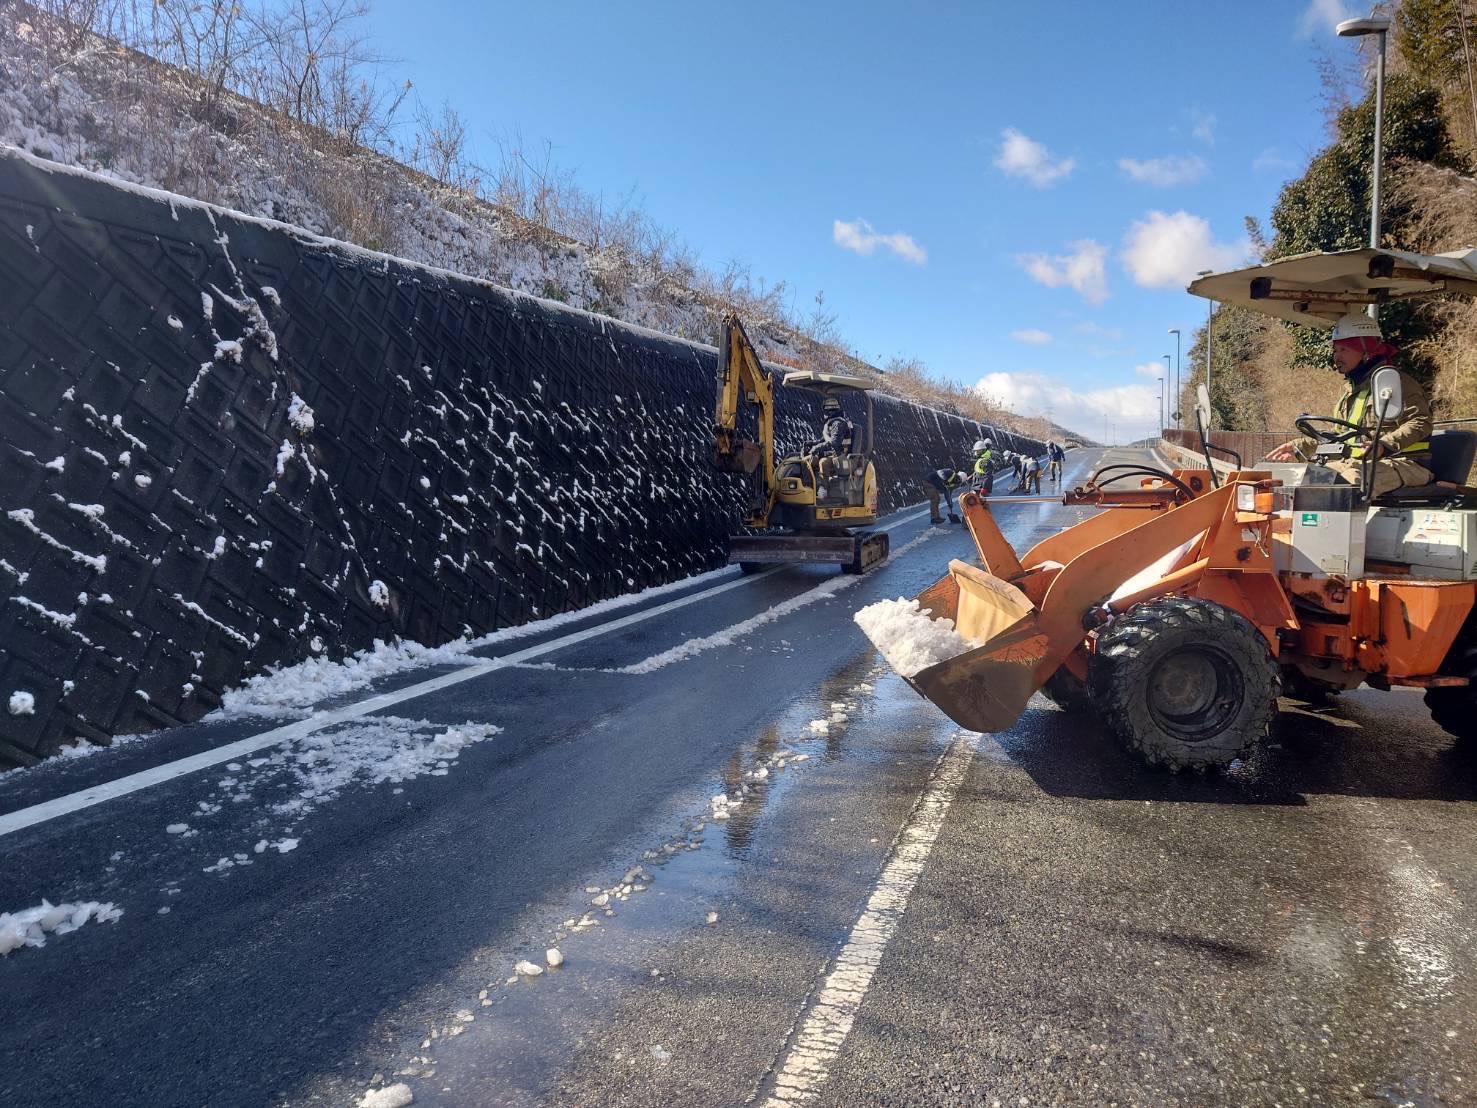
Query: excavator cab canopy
x=1316, y=289
x=824, y=383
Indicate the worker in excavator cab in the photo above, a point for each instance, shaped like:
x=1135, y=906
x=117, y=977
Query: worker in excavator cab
x=1403, y=453
x=837, y=436
x=984, y=465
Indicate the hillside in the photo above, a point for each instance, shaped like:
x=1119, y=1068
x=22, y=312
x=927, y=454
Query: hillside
x=297, y=122
x=1261, y=369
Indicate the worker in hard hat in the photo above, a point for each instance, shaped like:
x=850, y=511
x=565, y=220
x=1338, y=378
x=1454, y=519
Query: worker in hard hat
x=939, y=483
x=984, y=465
x=1403, y=452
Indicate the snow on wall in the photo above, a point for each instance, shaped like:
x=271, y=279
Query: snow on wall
x=229, y=444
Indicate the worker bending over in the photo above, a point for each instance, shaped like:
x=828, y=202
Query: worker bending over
x=1403, y=453
x=1030, y=475
x=941, y=482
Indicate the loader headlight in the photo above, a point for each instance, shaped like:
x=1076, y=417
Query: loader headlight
x=1246, y=498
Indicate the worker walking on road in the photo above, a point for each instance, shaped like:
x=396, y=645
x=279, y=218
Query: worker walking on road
x=941, y=483
x=1055, y=456
x=1403, y=453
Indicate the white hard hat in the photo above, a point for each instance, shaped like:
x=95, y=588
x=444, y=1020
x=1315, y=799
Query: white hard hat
x=980, y=445
x=1356, y=325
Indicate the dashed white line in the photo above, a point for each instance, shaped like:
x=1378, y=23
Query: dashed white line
x=813, y=1048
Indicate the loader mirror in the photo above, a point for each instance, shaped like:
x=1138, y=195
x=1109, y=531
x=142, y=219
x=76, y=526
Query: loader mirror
x=1385, y=388
x=1202, y=407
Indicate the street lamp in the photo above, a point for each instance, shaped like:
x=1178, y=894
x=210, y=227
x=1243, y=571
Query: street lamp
x=1358, y=28
x=1178, y=384
x=1209, y=337
x=1161, y=404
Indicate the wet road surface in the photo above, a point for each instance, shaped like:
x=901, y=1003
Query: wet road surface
x=889, y=912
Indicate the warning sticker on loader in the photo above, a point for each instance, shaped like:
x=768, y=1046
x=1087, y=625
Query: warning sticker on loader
x=1308, y=519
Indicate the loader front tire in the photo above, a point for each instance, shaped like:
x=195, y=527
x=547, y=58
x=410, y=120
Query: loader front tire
x=1185, y=682
x=1454, y=709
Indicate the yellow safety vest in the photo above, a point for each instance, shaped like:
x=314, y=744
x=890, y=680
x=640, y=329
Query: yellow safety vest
x=1356, y=417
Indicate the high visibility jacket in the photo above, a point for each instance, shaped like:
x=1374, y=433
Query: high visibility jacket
x=1409, y=434
x=982, y=463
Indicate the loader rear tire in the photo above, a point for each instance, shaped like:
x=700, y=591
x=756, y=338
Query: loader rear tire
x=1185, y=682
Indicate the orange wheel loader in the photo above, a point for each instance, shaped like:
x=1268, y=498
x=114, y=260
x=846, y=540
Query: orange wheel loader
x=1182, y=607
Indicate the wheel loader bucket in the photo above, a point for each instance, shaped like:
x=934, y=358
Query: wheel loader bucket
x=986, y=688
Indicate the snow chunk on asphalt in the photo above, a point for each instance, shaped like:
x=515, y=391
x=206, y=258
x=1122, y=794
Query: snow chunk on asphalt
x=526, y=968
x=554, y=956
x=30, y=926
x=22, y=704
x=910, y=640
x=397, y=1095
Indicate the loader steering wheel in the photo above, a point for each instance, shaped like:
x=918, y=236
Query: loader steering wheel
x=1306, y=423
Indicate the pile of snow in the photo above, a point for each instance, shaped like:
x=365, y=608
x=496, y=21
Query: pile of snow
x=910, y=640
x=299, y=414
x=22, y=704
x=397, y=1095
x=30, y=926
x=293, y=690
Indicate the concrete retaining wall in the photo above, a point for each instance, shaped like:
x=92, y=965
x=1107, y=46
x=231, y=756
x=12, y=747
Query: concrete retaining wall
x=226, y=445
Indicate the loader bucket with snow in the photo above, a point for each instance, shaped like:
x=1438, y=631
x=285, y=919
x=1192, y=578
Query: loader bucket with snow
x=989, y=625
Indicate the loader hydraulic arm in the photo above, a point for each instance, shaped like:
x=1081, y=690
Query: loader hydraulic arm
x=743, y=383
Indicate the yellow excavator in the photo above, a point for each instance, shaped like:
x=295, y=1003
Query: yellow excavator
x=811, y=507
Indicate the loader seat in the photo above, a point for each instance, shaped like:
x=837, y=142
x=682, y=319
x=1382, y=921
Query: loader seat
x=1452, y=456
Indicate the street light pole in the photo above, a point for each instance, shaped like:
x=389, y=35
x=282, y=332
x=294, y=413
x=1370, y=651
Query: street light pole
x=1179, y=384
x=1161, y=404
x=1209, y=341
x=1358, y=28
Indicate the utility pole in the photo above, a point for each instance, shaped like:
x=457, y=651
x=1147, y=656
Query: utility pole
x=1461, y=17
x=1178, y=383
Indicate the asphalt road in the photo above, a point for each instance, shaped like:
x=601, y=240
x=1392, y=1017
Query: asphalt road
x=901, y=916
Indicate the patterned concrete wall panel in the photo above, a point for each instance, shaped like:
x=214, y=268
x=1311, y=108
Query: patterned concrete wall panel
x=227, y=445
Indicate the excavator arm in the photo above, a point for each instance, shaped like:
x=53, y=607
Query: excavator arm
x=742, y=383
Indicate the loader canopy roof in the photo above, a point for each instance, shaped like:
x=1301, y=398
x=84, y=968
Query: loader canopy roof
x=824, y=382
x=1315, y=289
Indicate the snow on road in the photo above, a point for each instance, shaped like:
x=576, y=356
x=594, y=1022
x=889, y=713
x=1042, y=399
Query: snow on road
x=291, y=691
x=31, y=926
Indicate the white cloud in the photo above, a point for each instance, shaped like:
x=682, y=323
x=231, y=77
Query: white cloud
x=1098, y=331
x=1203, y=126
x=1025, y=157
x=1032, y=336
x=1133, y=409
x=1322, y=16
x=1150, y=370
x=1177, y=169
x=1082, y=269
x=860, y=237
x=1164, y=251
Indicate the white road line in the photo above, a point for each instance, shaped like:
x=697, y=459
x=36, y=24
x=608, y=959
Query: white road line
x=144, y=779
x=807, y=1062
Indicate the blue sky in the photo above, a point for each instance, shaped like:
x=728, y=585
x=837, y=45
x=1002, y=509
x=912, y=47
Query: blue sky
x=1013, y=193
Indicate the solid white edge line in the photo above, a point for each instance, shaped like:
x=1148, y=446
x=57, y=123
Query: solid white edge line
x=135, y=782
x=806, y=1062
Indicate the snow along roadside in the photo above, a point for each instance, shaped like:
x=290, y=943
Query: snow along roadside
x=109, y=790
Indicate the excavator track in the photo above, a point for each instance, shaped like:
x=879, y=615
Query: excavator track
x=871, y=550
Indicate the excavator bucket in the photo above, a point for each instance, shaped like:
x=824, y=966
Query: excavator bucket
x=986, y=688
